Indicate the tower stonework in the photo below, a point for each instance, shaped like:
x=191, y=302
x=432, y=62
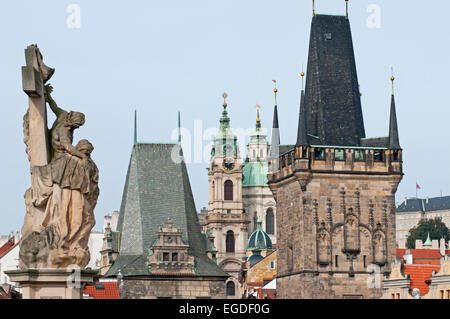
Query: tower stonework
x=335, y=189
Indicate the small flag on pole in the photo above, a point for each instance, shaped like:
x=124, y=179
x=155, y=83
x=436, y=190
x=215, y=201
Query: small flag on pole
x=417, y=186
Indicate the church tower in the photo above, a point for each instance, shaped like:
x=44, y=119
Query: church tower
x=335, y=188
x=226, y=220
x=258, y=199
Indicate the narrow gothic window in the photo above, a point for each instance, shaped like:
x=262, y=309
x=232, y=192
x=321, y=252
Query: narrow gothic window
x=165, y=256
x=230, y=241
x=230, y=288
x=228, y=189
x=270, y=229
x=174, y=256
x=336, y=262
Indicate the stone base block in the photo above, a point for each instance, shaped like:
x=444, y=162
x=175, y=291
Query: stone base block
x=52, y=283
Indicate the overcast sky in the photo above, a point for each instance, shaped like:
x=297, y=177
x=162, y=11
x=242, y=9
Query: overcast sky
x=160, y=57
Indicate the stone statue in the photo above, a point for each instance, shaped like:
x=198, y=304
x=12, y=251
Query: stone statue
x=64, y=179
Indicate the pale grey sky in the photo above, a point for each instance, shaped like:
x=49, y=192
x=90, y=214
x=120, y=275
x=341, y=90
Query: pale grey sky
x=160, y=57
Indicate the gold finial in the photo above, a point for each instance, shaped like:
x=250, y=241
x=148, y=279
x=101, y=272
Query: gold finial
x=302, y=74
x=225, y=95
x=257, y=113
x=359, y=88
x=314, y=9
x=275, y=90
x=392, y=79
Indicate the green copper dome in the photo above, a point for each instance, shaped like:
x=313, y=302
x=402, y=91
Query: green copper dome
x=259, y=240
x=255, y=174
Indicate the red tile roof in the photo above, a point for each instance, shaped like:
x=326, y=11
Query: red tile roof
x=422, y=254
x=110, y=291
x=9, y=245
x=419, y=276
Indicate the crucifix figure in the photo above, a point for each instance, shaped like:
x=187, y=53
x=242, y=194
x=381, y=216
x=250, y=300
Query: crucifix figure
x=64, y=179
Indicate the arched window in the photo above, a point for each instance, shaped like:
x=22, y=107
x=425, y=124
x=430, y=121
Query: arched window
x=228, y=189
x=270, y=222
x=230, y=241
x=230, y=288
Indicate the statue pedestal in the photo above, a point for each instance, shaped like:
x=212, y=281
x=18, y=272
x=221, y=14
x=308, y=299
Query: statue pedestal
x=52, y=283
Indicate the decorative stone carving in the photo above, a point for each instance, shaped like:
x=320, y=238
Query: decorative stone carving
x=64, y=179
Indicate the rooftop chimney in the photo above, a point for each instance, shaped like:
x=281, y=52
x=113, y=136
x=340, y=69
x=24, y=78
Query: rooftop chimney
x=408, y=257
x=419, y=244
x=435, y=244
x=442, y=246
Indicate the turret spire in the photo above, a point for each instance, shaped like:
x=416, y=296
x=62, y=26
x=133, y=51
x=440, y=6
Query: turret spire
x=135, y=127
x=275, y=147
x=179, y=128
x=302, y=138
x=346, y=9
x=393, y=128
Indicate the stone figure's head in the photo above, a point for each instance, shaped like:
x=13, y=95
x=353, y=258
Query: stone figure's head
x=75, y=119
x=85, y=147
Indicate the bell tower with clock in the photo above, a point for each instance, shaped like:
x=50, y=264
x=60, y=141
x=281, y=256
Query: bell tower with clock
x=226, y=220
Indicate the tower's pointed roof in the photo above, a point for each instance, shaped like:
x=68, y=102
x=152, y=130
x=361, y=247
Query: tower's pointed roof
x=157, y=187
x=275, y=146
x=332, y=98
x=394, y=142
x=302, y=136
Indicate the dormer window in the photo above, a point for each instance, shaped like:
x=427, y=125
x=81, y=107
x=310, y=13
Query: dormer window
x=166, y=256
x=174, y=256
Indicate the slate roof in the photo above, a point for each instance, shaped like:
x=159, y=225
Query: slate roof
x=156, y=188
x=421, y=205
x=332, y=98
x=286, y=148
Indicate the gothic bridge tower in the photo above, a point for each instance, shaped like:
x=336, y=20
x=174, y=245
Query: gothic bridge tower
x=335, y=188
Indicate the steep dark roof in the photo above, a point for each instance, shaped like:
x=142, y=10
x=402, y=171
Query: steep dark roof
x=302, y=137
x=156, y=188
x=275, y=147
x=421, y=205
x=394, y=142
x=332, y=97
x=286, y=148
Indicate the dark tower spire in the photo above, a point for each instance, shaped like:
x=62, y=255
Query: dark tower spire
x=394, y=143
x=302, y=137
x=275, y=147
x=332, y=97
